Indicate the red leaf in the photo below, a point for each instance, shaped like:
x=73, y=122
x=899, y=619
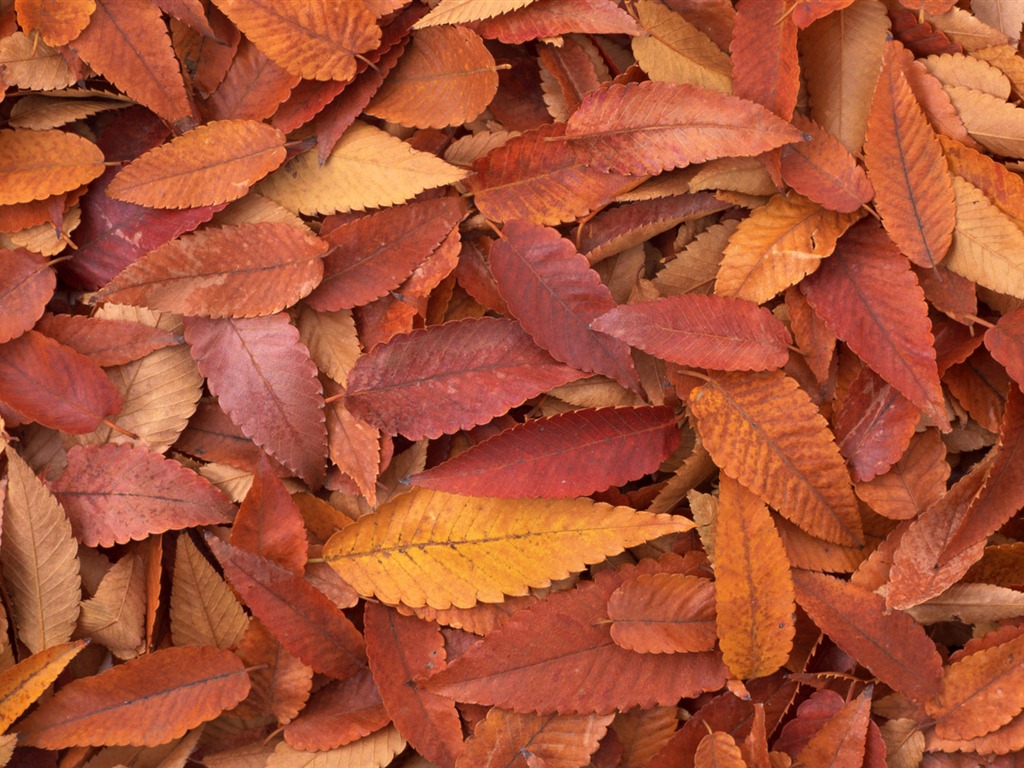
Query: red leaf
x=543, y=658
x=26, y=285
x=403, y=650
x=341, y=712
x=303, y=620
x=570, y=454
x=823, y=170
x=868, y=296
x=449, y=377
x=116, y=493
x=554, y=294
x=54, y=385
x=763, y=54
x=106, y=342
x=376, y=253
x=1006, y=343
x=145, y=702
x=550, y=18
x=269, y=523
x=266, y=382
x=647, y=128
x=718, y=332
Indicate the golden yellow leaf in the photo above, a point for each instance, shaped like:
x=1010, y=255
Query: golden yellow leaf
x=314, y=39
x=753, y=587
x=116, y=614
x=368, y=168
x=204, y=610
x=987, y=248
x=26, y=681
x=39, y=558
x=778, y=245
x=676, y=51
x=991, y=121
x=37, y=164
x=440, y=549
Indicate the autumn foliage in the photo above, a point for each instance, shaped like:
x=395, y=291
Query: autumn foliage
x=544, y=383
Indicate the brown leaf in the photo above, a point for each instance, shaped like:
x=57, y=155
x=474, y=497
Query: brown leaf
x=117, y=493
x=211, y=164
x=144, y=702
x=318, y=40
x=795, y=466
x=37, y=164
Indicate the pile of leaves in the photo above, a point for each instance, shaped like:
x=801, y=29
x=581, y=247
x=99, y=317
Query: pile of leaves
x=512, y=382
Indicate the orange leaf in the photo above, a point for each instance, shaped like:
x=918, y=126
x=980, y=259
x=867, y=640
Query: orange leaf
x=54, y=385
x=536, y=179
x=913, y=483
x=26, y=286
x=37, y=164
x=445, y=77
x=127, y=42
x=116, y=493
x=569, y=454
x=753, y=587
x=438, y=549
x=842, y=741
x=402, y=650
x=718, y=750
x=823, y=170
x=550, y=19
x=22, y=684
x=980, y=692
x=763, y=54
x=555, y=295
x=913, y=192
x=269, y=523
x=211, y=164
x=280, y=682
x=57, y=23
x=314, y=39
x=762, y=429
x=236, y=271
x=889, y=643
x=868, y=297
x=302, y=619
x=341, y=712
x=663, y=613
x=716, y=332
x=511, y=739
x=647, y=128
x=144, y=702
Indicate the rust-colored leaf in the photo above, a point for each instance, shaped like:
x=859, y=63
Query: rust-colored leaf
x=555, y=295
x=913, y=191
x=549, y=18
x=663, y=613
x=115, y=493
x=509, y=546
x=269, y=523
x=339, y=713
x=891, y=644
x=302, y=619
x=211, y=164
x=37, y=164
x=280, y=682
x=54, y=385
x=571, y=454
x=823, y=170
x=765, y=431
x=236, y=271
x=1006, y=343
x=264, y=379
x=763, y=55
x=144, y=702
x=26, y=285
x=753, y=589
x=316, y=40
x=842, y=741
x=106, y=342
x=647, y=128
x=490, y=363
x=512, y=739
x=725, y=334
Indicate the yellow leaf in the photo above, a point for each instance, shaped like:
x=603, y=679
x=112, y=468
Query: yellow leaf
x=987, y=248
x=676, y=51
x=368, y=168
x=753, y=587
x=26, y=681
x=778, y=245
x=39, y=558
x=37, y=164
x=440, y=549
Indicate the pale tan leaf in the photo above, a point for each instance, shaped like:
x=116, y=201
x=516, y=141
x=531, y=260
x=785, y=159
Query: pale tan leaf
x=968, y=72
x=41, y=113
x=694, y=268
x=643, y=733
x=314, y=39
x=204, y=610
x=676, y=51
x=988, y=247
x=993, y=122
x=368, y=168
x=1005, y=16
x=116, y=614
x=331, y=339
x=970, y=604
x=373, y=751
x=460, y=11
x=45, y=239
x=904, y=742
x=967, y=29
x=40, y=560
x=32, y=64
x=778, y=245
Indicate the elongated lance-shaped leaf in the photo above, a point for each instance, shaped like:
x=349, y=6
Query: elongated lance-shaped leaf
x=438, y=549
x=762, y=429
